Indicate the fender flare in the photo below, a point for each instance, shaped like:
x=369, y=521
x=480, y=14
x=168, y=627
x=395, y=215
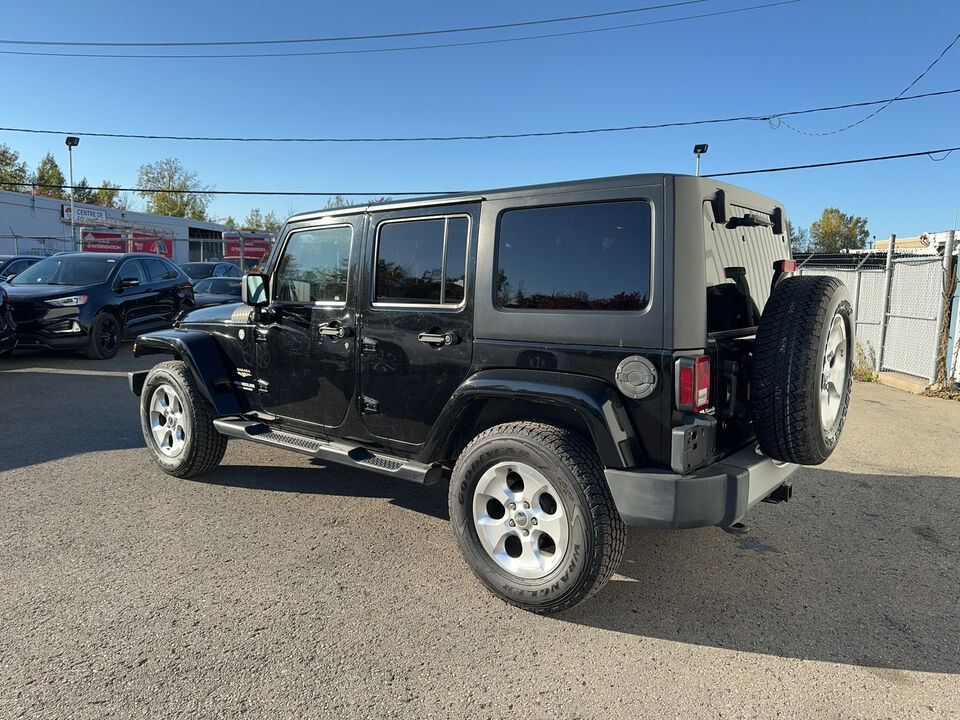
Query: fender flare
x=200, y=352
x=593, y=401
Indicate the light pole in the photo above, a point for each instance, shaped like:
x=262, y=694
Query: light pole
x=72, y=142
x=699, y=150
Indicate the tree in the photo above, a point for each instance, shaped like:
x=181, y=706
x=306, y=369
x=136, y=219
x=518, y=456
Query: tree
x=12, y=169
x=838, y=232
x=186, y=197
x=108, y=194
x=50, y=176
x=799, y=238
x=229, y=221
x=253, y=220
x=271, y=222
x=83, y=193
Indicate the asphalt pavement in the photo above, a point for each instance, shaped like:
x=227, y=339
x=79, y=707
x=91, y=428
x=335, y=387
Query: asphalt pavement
x=276, y=587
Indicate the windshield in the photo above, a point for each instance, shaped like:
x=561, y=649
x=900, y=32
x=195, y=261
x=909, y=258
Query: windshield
x=198, y=271
x=75, y=270
x=219, y=286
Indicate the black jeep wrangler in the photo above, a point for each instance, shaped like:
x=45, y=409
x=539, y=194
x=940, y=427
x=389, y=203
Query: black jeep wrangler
x=573, y=357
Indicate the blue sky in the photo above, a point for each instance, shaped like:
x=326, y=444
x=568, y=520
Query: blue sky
x=808, y=54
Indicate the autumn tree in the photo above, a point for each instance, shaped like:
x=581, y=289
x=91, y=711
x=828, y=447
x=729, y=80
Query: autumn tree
x=12, y=170
x=83, y=193
x=255, y=220
x=108, y=195
x=183, y=195
x=799, y=237
x=838, y=232
x=49, y=178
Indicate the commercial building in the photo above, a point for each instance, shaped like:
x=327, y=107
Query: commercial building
x=39, y=225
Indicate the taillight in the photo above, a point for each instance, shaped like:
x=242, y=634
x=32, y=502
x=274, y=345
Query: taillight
x=693, y=384
x=785, y=266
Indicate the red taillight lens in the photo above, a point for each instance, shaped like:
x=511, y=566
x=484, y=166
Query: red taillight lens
x=693, y=384
x=685, y=386
x=785, y=266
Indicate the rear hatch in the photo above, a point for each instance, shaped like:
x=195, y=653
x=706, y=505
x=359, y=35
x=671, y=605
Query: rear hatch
x=741, y=252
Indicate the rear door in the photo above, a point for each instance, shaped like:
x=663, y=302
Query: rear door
x=137, y=300
x=416, y=338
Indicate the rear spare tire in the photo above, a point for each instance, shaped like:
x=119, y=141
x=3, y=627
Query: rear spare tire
x=803, y=369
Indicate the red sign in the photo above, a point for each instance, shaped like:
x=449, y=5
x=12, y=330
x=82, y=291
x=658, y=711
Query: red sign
x=104, y=242
x=151, y=244
x=253, y=248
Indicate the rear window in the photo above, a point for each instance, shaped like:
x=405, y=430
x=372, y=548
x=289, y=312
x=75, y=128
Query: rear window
x=593, y=256
x=198, y=271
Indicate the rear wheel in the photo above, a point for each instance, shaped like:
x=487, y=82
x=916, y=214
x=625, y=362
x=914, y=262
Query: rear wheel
x=533, y=516
x=803, y=369
x=177, y=422
x=104, y=339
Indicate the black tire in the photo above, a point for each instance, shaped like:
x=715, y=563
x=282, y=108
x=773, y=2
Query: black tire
x=789, y=419
x=202, y=446
x=594, y=545
x=104, y=338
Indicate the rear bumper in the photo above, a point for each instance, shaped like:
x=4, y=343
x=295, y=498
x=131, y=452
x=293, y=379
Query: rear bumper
x=719, y=494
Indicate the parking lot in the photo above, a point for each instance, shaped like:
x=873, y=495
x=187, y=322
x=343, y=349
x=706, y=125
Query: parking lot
x=274, y=587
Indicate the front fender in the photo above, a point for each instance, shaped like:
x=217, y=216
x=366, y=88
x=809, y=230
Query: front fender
x=200, y=353
x=593, y=401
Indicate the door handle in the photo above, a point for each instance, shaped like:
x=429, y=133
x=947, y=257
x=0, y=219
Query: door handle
x=369, y=346
x=447, y=338
x=336, y=330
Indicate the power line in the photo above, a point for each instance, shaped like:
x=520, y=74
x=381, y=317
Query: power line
x=877, y=158
x=876, y=112
x=400, y=48
x=493, y=136
x=344, y=38
x=838, y=162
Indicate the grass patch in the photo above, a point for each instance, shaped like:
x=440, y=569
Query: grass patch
x=863, y=365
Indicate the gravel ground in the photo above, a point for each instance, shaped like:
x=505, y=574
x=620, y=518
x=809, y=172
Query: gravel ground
x=278, y=588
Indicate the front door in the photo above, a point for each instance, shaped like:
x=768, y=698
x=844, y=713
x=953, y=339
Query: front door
x=416, y=331
x=307, y=336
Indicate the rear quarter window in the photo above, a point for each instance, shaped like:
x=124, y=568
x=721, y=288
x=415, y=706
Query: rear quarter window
x=591, y=256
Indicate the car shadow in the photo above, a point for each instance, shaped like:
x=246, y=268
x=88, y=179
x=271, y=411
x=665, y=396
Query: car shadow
x=862, y=572
x=334, y=480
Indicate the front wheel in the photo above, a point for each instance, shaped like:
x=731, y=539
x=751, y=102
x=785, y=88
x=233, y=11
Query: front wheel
x=177, y=422
x=533, y=515
x=104, y=340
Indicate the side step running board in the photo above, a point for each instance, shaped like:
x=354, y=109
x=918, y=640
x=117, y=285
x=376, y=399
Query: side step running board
x=342, y=453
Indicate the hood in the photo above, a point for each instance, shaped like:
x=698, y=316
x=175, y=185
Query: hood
x=203, y=299
x=211, y=314
x=41, y=292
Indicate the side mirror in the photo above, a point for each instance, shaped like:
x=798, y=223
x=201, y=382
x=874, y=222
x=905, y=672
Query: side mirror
x=255, y=290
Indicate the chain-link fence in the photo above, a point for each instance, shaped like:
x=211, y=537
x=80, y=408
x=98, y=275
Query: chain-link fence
x=897, y=312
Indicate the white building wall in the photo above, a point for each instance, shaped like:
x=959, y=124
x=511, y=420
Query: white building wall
x=34, y=224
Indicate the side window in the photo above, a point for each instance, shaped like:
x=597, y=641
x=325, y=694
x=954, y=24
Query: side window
x=219, y=271
x=17, y=267
x=157, y=270
x=172, y=270
x=132, y=270
x=314, y=266
x=592, y=256
x=422, y=261
x=233, y=271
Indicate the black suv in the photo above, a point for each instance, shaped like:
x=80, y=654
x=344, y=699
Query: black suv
x=13, y=264
x=90, y=301
x=573, y=357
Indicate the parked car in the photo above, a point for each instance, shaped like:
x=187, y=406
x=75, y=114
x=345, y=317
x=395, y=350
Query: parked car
x=8, y=336
x=216, y=291
x=574, y=357
x=91, y=301
x=202, y=270
x=13, y=264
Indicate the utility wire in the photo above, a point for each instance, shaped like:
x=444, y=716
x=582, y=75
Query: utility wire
x=876, y=112
x=785, y=168
x=401, y=48
x=837, y=162
x=501, y=136
x=344, y=38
